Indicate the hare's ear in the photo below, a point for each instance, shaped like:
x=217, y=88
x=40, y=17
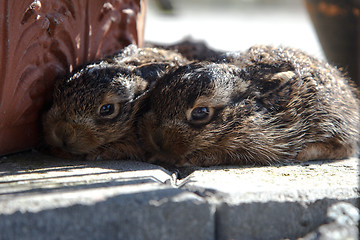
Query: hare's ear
x=153, y=71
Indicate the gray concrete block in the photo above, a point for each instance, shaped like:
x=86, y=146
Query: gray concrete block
x=275, y=202
x=304, y=182
x=47, y=198
x=270, y=220
x=160, y=214
x=342, y=220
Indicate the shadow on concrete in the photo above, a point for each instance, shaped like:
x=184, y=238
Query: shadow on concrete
x=34, y=162
x=30, y=173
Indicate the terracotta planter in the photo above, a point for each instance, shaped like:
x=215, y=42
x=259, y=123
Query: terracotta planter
x=337, y=23
x=44, y=38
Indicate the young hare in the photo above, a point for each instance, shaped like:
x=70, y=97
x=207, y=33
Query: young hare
x=262, y=106
x=94, y=108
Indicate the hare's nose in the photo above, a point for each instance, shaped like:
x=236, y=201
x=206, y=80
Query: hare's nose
x=169, y=142
x=63, y=134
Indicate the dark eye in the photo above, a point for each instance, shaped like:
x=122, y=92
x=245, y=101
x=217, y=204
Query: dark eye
x=107, y=110
x=200, y=113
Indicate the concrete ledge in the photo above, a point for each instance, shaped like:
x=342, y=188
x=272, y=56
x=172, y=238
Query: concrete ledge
x=276, y=202
x=47, y=198
x=146, y=215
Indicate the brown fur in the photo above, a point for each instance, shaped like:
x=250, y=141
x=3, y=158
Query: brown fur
x=267, y=104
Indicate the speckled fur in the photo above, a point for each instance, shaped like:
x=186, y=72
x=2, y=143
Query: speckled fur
x=73, y=125
x=270, y=104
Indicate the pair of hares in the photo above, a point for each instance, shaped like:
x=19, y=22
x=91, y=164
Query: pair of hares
x=262, y=106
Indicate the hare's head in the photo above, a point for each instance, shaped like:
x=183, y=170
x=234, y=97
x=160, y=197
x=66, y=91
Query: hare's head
x=92, y=107
x=190, y=114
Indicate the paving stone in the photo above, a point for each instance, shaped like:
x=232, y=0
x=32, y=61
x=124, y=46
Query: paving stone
x=47, y=198
x=341, y=224
x=160, y=214
x=307, y=182
x=276, y=202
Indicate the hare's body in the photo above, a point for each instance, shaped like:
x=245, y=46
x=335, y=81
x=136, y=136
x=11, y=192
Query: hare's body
x=264, y=105
x=94, y=108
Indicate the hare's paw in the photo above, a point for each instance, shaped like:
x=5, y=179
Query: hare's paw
x=326, y=150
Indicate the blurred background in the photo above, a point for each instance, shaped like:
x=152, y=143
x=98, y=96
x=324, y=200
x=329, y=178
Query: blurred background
x=232, y=24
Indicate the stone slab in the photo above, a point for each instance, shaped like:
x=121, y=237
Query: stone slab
x=42, y=197
x=280, y=201
x=47, y=198
x=341, y=223
x=305, y=182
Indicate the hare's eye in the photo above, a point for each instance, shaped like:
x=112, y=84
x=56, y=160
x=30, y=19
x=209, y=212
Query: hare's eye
x=106, y=110
x=200, y=115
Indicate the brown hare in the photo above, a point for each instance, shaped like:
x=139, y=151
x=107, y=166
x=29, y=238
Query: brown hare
x=262, y=106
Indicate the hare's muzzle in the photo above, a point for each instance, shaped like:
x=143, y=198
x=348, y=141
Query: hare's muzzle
x=63, y=135
x=72, y=137
x=167, y=145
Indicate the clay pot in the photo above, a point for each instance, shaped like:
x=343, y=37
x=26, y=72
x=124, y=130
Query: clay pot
x=42, y=39
x=337, y=25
